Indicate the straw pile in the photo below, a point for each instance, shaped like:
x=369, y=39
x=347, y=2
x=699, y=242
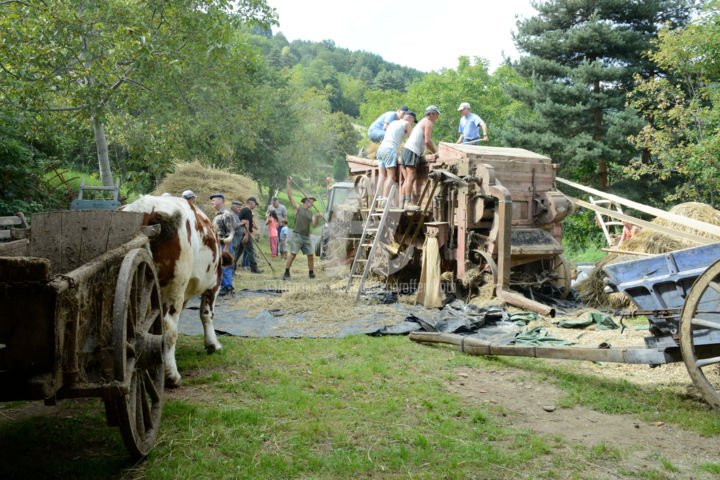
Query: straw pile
x=205, y=181
x=371, y=150
x=323, y=311
x=646, y=241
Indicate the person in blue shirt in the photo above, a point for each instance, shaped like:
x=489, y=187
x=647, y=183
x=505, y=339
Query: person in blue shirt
x=376, y=132
x=470, y=125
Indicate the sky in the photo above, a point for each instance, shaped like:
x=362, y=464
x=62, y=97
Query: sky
x=423, y=34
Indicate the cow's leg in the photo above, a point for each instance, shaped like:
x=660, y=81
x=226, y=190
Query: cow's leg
x=172, y=315
x=207, y=315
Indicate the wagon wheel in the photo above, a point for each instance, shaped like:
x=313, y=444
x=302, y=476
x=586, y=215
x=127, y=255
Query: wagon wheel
x=560, y=274
x=137, y=336
x=701, y=317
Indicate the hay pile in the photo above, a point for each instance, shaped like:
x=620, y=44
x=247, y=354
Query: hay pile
x=205, y=181
x=646, y=241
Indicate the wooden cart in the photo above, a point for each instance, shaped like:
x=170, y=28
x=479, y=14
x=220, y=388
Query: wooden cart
x=678, y=292
x=81, y=316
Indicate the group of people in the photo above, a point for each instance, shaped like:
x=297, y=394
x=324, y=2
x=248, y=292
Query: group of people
x=391, y=128
x=236, y=228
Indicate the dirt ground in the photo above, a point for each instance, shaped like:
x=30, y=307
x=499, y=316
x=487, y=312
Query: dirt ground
x=640, y=443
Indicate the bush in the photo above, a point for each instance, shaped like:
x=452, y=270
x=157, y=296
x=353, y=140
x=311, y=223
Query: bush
x=580, y=231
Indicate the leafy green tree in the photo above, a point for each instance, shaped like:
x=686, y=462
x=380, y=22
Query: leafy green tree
x=89, y=58
x=447, y=89
x=581, y=56
x=682, y=109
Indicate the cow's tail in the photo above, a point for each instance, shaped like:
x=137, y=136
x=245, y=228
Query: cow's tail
x=227, y=259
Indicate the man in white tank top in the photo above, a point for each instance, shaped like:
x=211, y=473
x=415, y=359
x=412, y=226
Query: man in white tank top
x=420, y=138
x=387, y=153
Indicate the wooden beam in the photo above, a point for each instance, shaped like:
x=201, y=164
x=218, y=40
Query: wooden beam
x=627, y=252
x=643, y=223
x=688, y=222
x=8, y=221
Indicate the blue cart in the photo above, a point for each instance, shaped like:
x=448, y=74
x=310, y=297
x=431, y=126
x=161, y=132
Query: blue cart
x=679, y=293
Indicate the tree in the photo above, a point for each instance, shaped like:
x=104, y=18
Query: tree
x=447, y=89
x=581, y=56
x=683, y=110
x=87, y=58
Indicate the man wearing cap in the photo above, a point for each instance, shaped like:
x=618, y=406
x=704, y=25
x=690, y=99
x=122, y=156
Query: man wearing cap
x=279, y=209
x=300, y=236
x=420, y=138
x=470, y=124
x=189, y=195
x=226, y=232
x=387, y=153
x=235, y=207
x=376, y=132
x=246, y=243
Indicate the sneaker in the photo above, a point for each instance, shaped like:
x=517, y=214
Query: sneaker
x=257, y=271
x=411, y=206
x=286, y=276
x=222, y=292
x=311, y=275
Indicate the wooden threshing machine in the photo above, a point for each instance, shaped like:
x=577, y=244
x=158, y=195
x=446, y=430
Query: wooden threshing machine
x=492, y=209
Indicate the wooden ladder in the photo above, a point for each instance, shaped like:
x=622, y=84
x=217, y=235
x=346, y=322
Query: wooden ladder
x=607, y=224
x=373, y=228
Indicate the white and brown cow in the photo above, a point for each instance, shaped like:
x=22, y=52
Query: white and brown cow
x=189, y=260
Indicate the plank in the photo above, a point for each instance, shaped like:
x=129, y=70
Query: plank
x=72, y=238
x=95, y=228
x=46, y=239
x=688, y=222
x=18, y=248
x=10, y=221
x=643, y=223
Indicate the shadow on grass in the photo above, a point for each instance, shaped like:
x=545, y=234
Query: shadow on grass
x=80, y=446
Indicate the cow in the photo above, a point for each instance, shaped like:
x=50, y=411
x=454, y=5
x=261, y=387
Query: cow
x=188, y=258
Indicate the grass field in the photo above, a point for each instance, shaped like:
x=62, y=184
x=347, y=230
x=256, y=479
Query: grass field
x=356, y=407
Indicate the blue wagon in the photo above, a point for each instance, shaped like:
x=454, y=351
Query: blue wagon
x=679, y=292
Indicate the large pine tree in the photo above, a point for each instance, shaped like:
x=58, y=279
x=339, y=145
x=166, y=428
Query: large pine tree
x=581, y=56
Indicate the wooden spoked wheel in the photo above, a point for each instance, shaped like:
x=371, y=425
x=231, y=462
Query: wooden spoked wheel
x=699, y=322
x=138, y=345
x=560, y=275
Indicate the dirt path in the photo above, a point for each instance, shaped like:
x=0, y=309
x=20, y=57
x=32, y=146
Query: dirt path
x=642, y=445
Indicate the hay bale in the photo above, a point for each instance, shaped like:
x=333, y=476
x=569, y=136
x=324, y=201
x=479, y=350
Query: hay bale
x=205, y=181
x=646, y=241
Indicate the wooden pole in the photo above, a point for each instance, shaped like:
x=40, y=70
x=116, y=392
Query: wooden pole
x=688, y=222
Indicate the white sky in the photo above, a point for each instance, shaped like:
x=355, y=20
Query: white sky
x=395, y=29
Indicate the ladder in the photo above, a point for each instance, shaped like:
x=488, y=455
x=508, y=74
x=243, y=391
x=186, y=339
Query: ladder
x=374, y=225
x=606, y=224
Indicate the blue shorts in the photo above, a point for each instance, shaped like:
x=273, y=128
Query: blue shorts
x=376, y=135
x=387, y=157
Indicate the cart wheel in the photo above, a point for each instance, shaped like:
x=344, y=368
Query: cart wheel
x=138, y=348
x=559, y=269
x=700, y=318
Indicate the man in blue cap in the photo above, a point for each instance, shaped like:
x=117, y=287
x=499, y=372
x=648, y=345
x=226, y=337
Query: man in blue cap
x=376, y=132
x=226, y=231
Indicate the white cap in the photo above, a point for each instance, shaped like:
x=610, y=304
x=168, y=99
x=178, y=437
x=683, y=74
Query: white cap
x=188, y=194
x=166, y=194
x=464, y=105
